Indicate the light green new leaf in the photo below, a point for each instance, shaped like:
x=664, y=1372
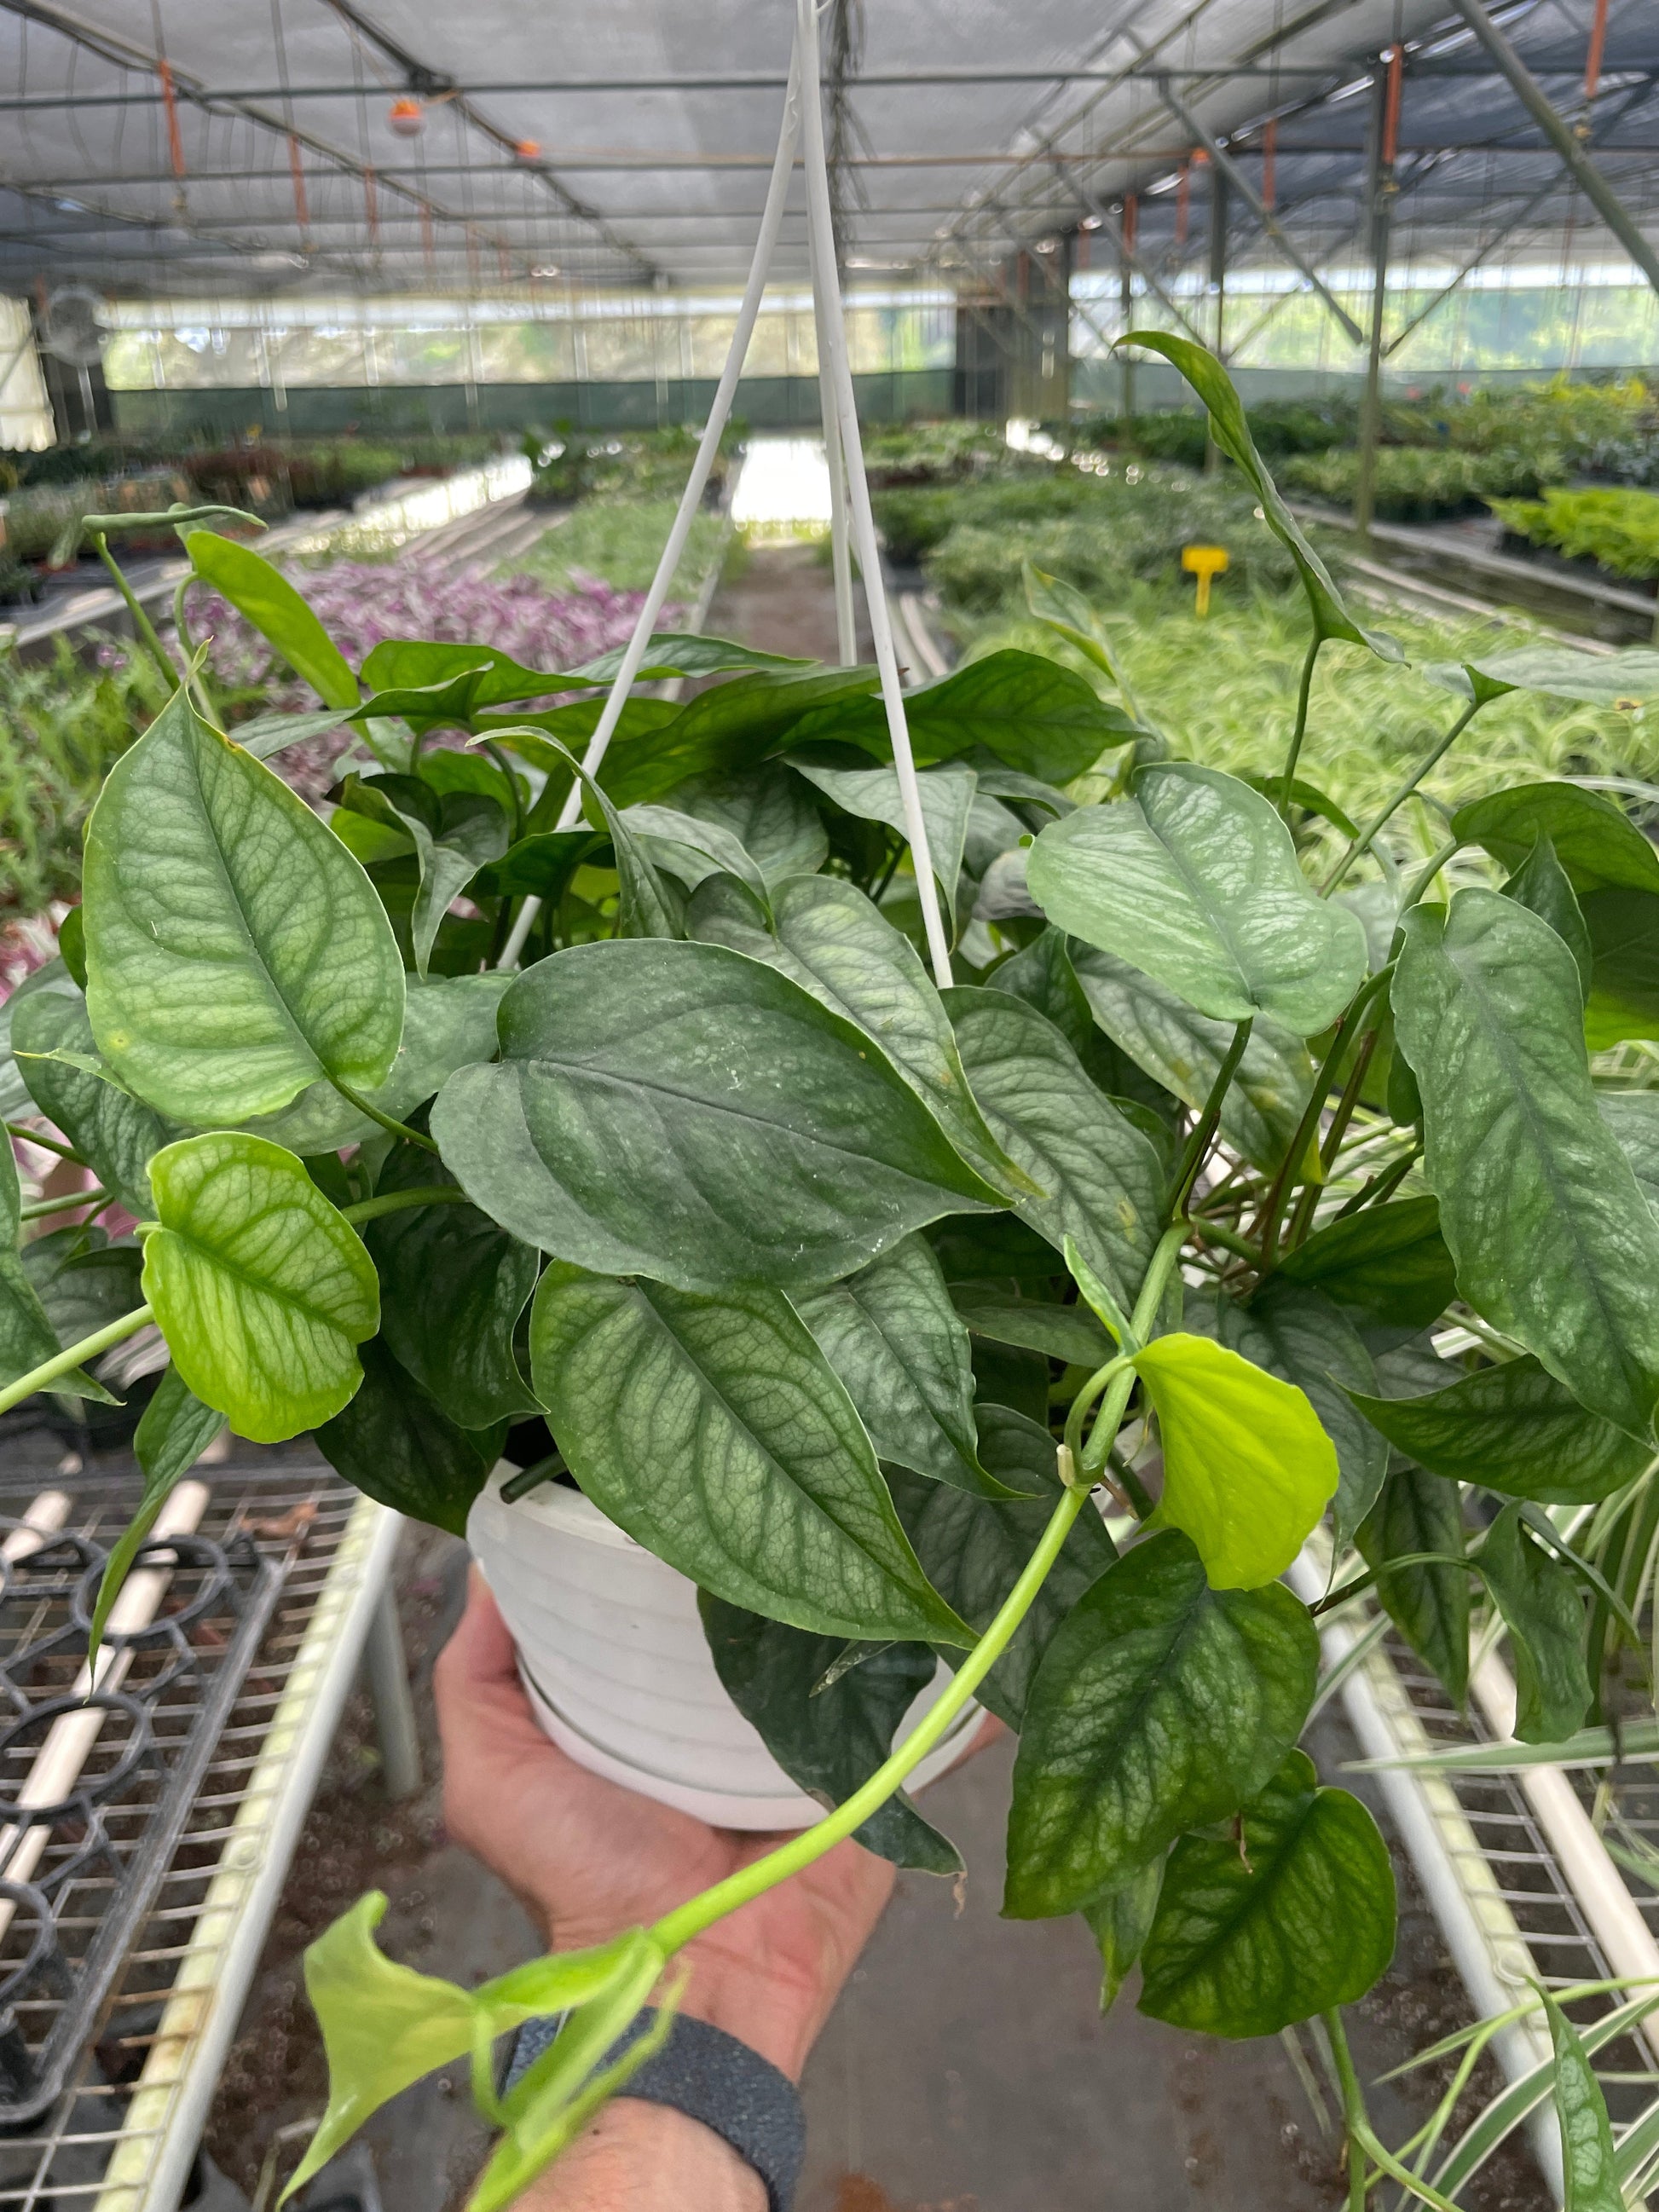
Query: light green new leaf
x=1232, y=432
x=1183, y=1051
x=974, y=1550
x=892, y=1335
x=1296, y=1333
x=1161, y=1704
x=235, y=951
x=873, y=794
x=262, y=1290
x=1590, y=2163
x=1428, y=1602
x=1596, y=844
x=829, y=1741
x=1294, y=1919
x=276, y=610
x=1247, y=1470
x=28, y=1338
x=173, y=1431
x=1119, y=1924
x=1194, y=880
x=1389, y=1259
x=449, y=1021
x=1101, y=1181
x=690, y=1114
x=826, y=936
x=1553, y=1241
x=115, y=1132
x=1542, y=1610
x=774, y=1501
x=1541, y=885
x=1512, y=1428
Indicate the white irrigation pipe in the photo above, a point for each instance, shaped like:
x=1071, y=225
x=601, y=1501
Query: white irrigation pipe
x=832, y=337
x=777, y=193
x=847, y=643
x=69, y=1741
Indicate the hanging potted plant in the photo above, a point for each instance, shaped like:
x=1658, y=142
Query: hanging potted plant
x=848, y=1301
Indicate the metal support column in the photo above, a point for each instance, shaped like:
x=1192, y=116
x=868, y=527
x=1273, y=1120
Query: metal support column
x=1126, y=302
x=1566, y=142
x=1218, y=213
x=1380, y=189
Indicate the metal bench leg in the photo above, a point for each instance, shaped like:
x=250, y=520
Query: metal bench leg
x=394, y=1707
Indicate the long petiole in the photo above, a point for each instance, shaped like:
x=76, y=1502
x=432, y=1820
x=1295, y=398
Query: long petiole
x=1191, y=1163
x=1290, y=1171
x=143, y=628
x=1362, y=844
x=88, y=1348
x=1300, y=730
x=676, y=1928
x=1426, y=874
x=365, y=1106
x=97, y=1199
x=1380, y=1186
x=47, y=1144
x=394, y=1202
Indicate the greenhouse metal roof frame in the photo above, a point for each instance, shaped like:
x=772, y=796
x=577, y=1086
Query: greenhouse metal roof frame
x=180, y=147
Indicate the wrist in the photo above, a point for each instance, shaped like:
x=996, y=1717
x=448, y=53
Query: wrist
x=634, y=2153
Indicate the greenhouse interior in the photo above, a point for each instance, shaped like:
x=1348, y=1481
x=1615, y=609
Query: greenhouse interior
x=987, y=1537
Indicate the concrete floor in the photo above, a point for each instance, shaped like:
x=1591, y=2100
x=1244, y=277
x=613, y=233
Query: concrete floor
x=967, y=2069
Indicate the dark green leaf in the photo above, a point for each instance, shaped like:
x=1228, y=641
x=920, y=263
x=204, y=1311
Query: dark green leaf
x=975, y=1549
x=1044, y=719
x=1232, y=432
x=769, y=813
x=892, y=1335
x=1005, y=1375
x=541, y=865
x=690, y=850
x=449, y=1021
x=1194, y=881
x=429, y=682
x=1295, y=1918
x=680, y=652
x=452, y=1288
x=830, y=1742
x=1552, y=1240
x=396, y=1444
x=873, y=794
x=1429, y=1604
x=1591, y=2162
x=1068, y=1333
x=776, y=1503
x=1389, y=1259
x=84, y=1280
x=1633, y=1118
x=1623, y=999
x=646, y=905
x=1101, y=1180
x=262, y=1290
x=1308, y=796
x=236, y=952
x=1545, y=1616
x=826, y=936
x=276, y=610
x=1160, y=1705
x=173, y=1431
x=113, y=1131
x=682, y=1110
x=990, y=1246
x=1043, y=973
x=1183, y=1051
x=1512, y=1428
x=1119, y=1924
x=454, y=835
x=27, y=1337
x=1297, y=1334
x=72, y=946
x=266, y=735
x=1596, y=844
x=1541, y=885
x=733, y=726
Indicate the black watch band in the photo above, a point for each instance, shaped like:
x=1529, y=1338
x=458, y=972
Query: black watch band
x=710, y=2076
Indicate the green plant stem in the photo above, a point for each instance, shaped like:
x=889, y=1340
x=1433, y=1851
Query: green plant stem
x=398, y=1128
x=1217, y=1232
x=678, y=1927
x=1381, y=1186
x=143, y=628
x=1130, y=1483
x=88, y=1348
x=1426, y=874
x=395, y=1202
x=97, y=1198
x=501, y=762
x=1356, y=2120
x=198, y=683
x=1190, y=1164
x=47, y=1144
x=1102, y=1377
x=1290, y=1167
x=1362, y=844
x=1360, y=1584
x=1288, y=777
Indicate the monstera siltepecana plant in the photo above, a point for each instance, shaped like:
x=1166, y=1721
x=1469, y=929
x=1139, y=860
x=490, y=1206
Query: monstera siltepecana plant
x=1251, y=1207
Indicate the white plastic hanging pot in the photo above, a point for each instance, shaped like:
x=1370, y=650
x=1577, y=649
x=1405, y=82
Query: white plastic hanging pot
x=613, y=1656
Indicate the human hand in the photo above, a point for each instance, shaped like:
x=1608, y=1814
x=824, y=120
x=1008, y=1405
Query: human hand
x=590, y=1858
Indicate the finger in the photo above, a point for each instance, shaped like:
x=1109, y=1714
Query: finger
x=481, y=1652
